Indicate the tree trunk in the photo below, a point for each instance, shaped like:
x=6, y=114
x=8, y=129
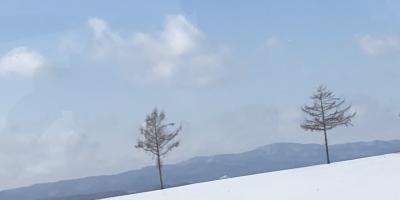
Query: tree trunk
x=159, y=166
x=328, y=161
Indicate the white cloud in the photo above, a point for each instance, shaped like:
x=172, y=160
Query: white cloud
x=372, y=45
x=176, y=50
x=178, y=39
x=99, y=26
x=180, y=36
x=105, y=44
x=21, y=61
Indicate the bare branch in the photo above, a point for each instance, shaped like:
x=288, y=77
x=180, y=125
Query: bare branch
x=326, y=112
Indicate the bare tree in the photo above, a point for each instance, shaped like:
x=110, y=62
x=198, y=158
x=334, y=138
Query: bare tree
x=157, y=139
x=326, y=113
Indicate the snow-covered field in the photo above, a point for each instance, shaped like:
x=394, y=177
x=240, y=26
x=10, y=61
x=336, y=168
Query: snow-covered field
x=371, y=178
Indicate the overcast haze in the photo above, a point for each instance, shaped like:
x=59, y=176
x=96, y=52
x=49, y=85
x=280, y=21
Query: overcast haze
x=78, y=78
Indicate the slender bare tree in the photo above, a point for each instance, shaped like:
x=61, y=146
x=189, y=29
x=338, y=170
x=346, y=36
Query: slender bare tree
x=326, y=113
x=157, y=139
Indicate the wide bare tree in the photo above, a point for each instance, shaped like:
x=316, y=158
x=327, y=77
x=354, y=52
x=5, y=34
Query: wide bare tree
x=157, y=139
x=326, y=112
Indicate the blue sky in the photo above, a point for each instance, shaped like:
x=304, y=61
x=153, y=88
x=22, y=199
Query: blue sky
x=79, y=77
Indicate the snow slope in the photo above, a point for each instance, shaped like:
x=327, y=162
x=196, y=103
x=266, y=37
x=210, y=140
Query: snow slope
x=367, y=179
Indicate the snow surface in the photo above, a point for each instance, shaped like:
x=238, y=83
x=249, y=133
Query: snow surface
x=370, y=178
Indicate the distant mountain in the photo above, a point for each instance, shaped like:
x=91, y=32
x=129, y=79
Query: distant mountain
x=199, y=169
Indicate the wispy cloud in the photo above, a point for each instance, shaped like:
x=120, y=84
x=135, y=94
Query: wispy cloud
x=373, y=45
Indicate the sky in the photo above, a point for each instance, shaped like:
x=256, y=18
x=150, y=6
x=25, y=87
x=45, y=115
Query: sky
x=79, y=77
